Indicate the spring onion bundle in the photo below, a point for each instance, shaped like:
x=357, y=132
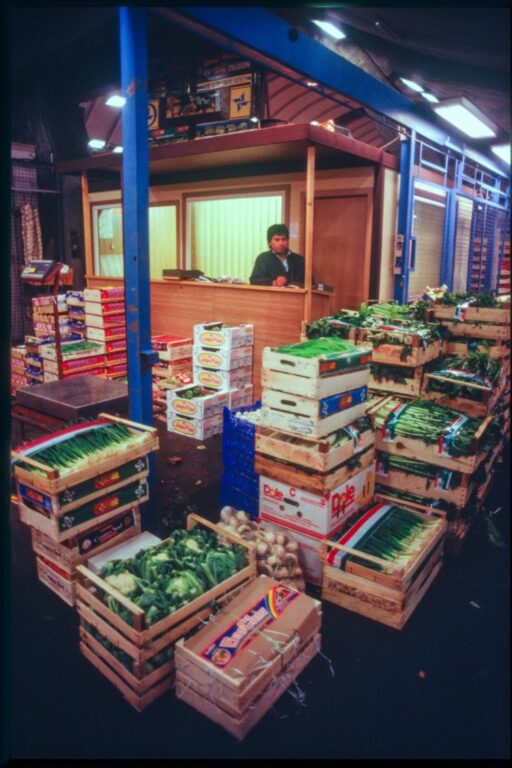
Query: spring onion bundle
x=85, y=447
x=479, y=364
x=386, y=531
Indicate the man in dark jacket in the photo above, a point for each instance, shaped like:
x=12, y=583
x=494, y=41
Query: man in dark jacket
x=278, y=266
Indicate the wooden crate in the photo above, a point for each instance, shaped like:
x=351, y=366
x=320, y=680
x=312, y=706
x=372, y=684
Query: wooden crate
x=139, y=640
x=78, y=550
x=316, y=482
x=327, y=364
x=493, y=315
x=54, y=481
x=60, y=582
x=318, y=455
x=411, y=387
x=352, y=330
x=314, y=388
x=477, y=408
x=421, y=486
x=83, y=519
x=477, y=330
x=393, y=354
x=139, y=683
x=497, y=351
x=239, y=726
x=58, y=504
x=414, y=448
x=390, y=597
x=310, y=425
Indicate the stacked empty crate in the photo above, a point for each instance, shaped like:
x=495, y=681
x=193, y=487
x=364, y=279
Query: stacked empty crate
x=314, y=450
x=19, y=365
x=239, y=483
x=80, y=501
x=105, y=321
x=174, y=367
x=76, y=313
x=222, y=358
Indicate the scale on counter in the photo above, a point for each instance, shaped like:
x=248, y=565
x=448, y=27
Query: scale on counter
x=40, y=271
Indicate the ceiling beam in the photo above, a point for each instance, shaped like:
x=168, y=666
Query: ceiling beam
x=261, y=36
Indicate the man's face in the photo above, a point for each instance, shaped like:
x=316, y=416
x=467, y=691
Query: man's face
x=279, y=244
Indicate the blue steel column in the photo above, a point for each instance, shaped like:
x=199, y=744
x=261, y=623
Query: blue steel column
x=135, y=211
x=132, y=23
x=405, y=208
x=448, y=253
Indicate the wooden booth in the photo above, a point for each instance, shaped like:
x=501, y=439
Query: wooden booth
x=340, y=203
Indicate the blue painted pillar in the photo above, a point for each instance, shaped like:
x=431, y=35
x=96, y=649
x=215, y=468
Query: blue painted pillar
x=450, y=225
x=405, y=210
x=132, y=23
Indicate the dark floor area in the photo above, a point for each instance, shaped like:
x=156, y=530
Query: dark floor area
x=438, y=689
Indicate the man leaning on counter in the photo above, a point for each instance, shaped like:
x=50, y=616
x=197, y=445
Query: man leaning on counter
x=278, y=266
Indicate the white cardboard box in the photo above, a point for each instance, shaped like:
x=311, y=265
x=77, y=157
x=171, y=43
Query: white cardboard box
x=222, y=359
x=240, y=397
x=221, y=379
x=210, y=404
x=217, y=335
x=313, y=513
x=200, y=429
x=122, y=551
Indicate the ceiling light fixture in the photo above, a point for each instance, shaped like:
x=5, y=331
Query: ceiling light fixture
x=117, y=150
x=96, y=143
x=116, y=101
x=430, y=97
x=330, y=29
x=461, y=113
x=502, y=151
x=412, y=85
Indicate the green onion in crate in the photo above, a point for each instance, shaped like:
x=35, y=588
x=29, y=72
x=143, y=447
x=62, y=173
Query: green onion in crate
x=317, y=347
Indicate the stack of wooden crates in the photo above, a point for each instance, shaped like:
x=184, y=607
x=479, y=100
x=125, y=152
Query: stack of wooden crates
x=314, y=448
x=81, y=513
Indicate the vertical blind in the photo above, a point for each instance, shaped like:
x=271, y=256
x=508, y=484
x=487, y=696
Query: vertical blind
x=226, y=234
x=428, y=227
x=462, y=243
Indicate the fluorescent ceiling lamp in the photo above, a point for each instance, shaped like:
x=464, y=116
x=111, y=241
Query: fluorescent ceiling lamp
x=330, y=29
x=461, y=113
x=430, y=97
x=117, y=150
x=503, y=151
x=116, y=101
x=96, y=143
x=412, y=85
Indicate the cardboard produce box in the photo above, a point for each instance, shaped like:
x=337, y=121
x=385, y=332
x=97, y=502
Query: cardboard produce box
x=315, y=513
x=208, y=402
x=103, y=294
x=200, y=429
x=232, y=666
x=222, y=379
x=218, y=335
x=222, y=359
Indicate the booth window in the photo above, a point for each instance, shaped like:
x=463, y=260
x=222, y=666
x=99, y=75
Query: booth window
x=107, y=223
x=226, y=233
x=428, y=228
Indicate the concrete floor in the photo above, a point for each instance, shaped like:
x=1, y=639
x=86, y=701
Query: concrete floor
x=438, y=689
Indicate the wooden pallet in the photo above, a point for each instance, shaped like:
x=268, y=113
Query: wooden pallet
x=318, y=455
x=315, y=482
x=387, y=597
x=54, y=481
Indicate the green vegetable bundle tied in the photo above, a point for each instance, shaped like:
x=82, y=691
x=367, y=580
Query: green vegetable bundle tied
x=318, y=347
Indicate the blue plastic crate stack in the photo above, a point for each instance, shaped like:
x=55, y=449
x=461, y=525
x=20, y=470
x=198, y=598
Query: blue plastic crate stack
x=239, y=484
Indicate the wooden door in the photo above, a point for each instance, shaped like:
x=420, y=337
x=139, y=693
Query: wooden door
x=342, y=245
